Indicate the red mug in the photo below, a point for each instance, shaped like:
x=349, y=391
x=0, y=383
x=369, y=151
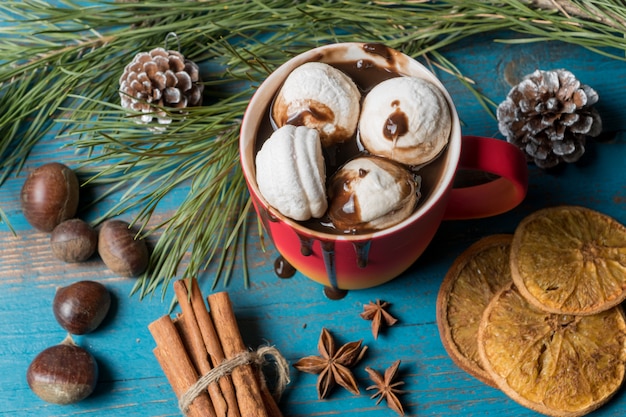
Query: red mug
x=357, y=261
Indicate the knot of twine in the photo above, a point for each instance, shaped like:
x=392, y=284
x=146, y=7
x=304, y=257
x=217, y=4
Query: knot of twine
x=229, y=365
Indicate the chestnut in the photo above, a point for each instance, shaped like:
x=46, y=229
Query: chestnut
x=49, y=196
x=63, y=374
x=73, y=240
x=80, y=307
x=121, y=250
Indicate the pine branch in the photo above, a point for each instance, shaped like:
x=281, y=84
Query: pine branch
x=64, y=63
x=607, y=13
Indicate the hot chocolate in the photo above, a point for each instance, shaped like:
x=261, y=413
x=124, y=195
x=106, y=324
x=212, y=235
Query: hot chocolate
x=365, y=75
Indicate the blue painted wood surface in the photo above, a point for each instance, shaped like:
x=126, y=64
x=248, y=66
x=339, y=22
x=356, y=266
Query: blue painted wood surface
x=291, y=313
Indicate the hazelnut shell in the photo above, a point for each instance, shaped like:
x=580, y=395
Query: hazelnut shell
x=73, y=240
x=80, y=307
x=121, y=250
x=63, y=374
x=49, y=196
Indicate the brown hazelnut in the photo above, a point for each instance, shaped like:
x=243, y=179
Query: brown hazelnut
x=80, y=307
x=121, y=250
x=73, y=240
x=63, y=374
x=49, y=196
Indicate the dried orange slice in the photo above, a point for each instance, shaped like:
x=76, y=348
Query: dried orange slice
x=570, y=260
x=474, y=277
x=556, y=364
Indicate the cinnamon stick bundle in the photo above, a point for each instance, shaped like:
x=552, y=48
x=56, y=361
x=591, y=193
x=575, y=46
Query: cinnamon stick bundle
x=198, y=343
x=192, y=305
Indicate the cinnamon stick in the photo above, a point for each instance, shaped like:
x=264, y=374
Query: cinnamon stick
x=268, y=399
x=192, y=334
x=172, y=356
x=247, y=385
x=212, y=345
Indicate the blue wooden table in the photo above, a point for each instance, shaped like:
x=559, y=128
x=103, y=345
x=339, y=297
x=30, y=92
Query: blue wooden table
x=290, y=313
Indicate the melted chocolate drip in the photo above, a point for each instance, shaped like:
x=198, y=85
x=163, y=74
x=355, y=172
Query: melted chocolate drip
x=328, y=254
x=283, y=269
x=396, y=125
x=334, y=293
x=317, y=112
x=306, y=245
x=344, y=208
x=362, y=250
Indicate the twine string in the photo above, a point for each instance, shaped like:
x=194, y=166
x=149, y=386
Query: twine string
x=229, y=365
x=169, y=36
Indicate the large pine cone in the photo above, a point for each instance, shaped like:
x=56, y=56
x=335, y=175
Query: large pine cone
x=549, y=116
x=158, y=79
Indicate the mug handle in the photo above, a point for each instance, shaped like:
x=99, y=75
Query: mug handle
x=497, y=157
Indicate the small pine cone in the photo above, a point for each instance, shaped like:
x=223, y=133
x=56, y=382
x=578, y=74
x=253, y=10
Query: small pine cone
x=158, y=79
x=549, y=116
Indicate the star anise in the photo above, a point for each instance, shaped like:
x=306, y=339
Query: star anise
x=386, y=388
x=333, y=366
x=377, y=313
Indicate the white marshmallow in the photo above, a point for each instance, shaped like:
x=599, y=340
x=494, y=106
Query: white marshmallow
x=290, y=172
x=406, y=119
x=322, y=97
x=371, y=193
